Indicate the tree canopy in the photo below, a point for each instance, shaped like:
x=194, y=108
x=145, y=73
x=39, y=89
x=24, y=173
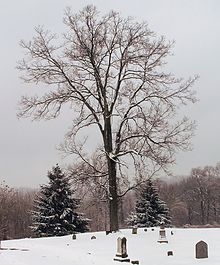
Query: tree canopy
x=110, y=70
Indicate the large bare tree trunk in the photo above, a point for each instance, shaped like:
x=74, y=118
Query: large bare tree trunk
x=112, y=178
x=113, y=198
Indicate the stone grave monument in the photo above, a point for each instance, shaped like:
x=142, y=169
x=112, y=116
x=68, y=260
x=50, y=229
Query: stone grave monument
x=134, y=261
x=134, y=230
x=162, y=236
x=201, y=250
x=121, y=254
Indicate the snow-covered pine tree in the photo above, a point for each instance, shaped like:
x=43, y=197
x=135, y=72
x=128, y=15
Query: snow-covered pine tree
x=150, y=210
x=55, y=208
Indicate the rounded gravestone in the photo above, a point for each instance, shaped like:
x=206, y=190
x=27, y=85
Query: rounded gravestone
x=201, y=250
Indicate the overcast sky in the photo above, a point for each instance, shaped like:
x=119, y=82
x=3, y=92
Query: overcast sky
x=28, y=149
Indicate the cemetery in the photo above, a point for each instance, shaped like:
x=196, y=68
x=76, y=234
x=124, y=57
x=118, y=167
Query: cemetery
x=178, y=246
x=116, y=83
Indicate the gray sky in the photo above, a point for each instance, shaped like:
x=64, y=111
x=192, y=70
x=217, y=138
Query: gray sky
x=28, y=149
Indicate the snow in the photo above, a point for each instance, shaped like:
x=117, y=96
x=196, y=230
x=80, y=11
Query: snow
x=143, y=247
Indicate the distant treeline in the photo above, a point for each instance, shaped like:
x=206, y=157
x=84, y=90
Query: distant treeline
x=15, y=217
x=193, y=201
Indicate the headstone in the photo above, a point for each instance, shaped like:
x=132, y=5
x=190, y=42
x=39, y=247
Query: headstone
x=134, y=230
x=145, y=229
x=121, y=254
x=93, y=237
x=162, y=236
x=162, y=226
x=134, y=261
x=74, y=236
x=169, y=253
x=201, y=250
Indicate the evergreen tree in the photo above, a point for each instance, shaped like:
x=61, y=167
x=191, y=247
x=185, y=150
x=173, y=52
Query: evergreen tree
x=149, y=210
x=55, y=209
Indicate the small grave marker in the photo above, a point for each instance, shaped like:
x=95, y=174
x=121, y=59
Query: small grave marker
x=134, y=261
x=162, y=226
x=134, y=230
x=93, y=237
x=145, y=229
x=162, y=236
x=121, y=254
x=170, y=253
x=201, y=250
x=74, y=236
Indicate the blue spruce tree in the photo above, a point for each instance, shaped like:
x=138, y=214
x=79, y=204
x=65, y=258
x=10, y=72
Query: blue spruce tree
x=55, y=208
x=149, y=210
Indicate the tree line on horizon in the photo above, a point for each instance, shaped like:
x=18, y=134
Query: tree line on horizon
x=191, y=201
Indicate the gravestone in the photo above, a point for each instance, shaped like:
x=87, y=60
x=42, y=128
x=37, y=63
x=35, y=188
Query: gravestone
x=134, y=261
x=162, y=236
x=201, y=250
x=145, y=229
x=93, y=237
x=74, y=236
x=121, y=254
x=134, y=230
x=162, y=226
x=170, y=253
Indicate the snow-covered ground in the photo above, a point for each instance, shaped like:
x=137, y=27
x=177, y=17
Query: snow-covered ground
x=101, y=251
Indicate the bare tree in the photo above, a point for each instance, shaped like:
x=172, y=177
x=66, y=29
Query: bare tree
x=194, y=200
x=111, y=71
x=204, y=186
x=15, y=216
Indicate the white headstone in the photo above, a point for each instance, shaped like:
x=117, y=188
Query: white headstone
x=162, y=236
x=121, y=254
